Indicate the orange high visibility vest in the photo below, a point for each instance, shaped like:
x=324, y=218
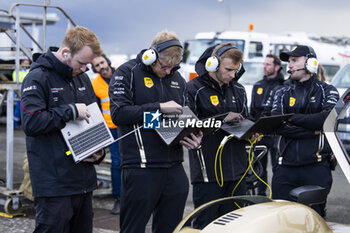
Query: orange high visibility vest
x=101, y=90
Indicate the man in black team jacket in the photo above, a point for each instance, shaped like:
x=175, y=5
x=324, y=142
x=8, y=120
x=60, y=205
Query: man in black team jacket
x=213, y=92
x=54, y=92
x=262, y=90
x=303, y=151
x=153, y=178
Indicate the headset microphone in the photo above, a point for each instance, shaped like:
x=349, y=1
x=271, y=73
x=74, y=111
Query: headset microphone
x=291, y=71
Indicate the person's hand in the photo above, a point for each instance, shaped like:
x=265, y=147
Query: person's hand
x=171, y=107
x=256, y=137
x=95, y=157
x=83, y=112
x=192, y=142
x=233, y=116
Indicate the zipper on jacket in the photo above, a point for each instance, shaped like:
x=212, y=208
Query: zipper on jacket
x=72, y=87
x=161, y=89
x=138, y=137
x=202, y=165
x=279, y=155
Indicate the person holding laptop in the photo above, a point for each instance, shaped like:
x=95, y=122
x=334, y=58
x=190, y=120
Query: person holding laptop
x=303, y=151
x=213, y=92
x=153, y=178
x=54, y=92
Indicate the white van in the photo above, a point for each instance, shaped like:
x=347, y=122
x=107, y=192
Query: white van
x=255, y=46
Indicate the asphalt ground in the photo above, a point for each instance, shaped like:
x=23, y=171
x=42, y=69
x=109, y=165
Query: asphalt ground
x=338, y=204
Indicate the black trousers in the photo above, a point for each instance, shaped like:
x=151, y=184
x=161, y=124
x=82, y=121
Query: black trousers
x=205, y=192
x=286, y=178
x=158, y=191
x=68, y=214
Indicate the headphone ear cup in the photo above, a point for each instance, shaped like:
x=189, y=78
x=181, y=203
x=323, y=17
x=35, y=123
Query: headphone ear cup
x=212, y=64
x=149, y=57
x=107, y=60
x=311, y=65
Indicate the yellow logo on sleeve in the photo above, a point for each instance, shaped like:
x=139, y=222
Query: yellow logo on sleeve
x=259, y=91
x=291, y=101
x=148, y=82
x=214, y=100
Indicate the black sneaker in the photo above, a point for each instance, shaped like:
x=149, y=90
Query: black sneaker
x=116, y=207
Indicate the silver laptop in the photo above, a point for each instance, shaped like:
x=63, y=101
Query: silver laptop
x=83, y=139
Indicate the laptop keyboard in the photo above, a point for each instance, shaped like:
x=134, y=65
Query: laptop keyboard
x=89, y=138
x=169, y=132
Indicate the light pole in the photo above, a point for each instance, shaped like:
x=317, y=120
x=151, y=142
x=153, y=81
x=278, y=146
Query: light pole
x=229, y=12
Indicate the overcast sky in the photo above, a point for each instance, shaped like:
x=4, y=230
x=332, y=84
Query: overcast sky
x=129, y=26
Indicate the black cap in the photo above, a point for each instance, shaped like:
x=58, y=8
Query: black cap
x=298, y=51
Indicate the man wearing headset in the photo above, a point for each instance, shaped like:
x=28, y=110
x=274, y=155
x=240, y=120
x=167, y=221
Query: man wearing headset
x=303, y=151
x=153, y=178
x=213, y=92
x=102, y=66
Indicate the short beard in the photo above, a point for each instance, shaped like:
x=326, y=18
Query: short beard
x=104, y=71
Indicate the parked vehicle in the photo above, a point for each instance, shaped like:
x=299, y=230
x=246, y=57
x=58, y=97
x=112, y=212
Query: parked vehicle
x=341, y=79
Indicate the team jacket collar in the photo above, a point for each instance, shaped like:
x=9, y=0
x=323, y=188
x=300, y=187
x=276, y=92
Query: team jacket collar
x=49, y=60
x=61, y=68
x=278, y=78
x=209, y=81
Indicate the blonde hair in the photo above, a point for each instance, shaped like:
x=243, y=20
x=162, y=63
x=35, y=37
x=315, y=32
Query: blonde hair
x=321, y=73
x=235, y=54
x=172, y=55
x=78, y=37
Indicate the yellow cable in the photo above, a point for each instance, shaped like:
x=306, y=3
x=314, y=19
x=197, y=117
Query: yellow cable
x=250, y=159
x=219, y=152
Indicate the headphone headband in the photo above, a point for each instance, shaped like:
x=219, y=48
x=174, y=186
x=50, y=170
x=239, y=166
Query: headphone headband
x=311, y=52
x=223, y=49
x=166, y=44
x=212, y=63
x=151, y=55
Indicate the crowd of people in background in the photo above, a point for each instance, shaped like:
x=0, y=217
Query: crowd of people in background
x=148, y=178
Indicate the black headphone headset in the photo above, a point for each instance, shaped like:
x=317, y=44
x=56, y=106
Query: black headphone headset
x=108, y=62
x=151, y=55
x=213, y=63
x=311, y=63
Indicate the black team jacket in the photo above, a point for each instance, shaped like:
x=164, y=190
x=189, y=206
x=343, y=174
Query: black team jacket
x=135, y=89
x=49, y=93
x=261, y=93
x=310, y=101
x=206, y=98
